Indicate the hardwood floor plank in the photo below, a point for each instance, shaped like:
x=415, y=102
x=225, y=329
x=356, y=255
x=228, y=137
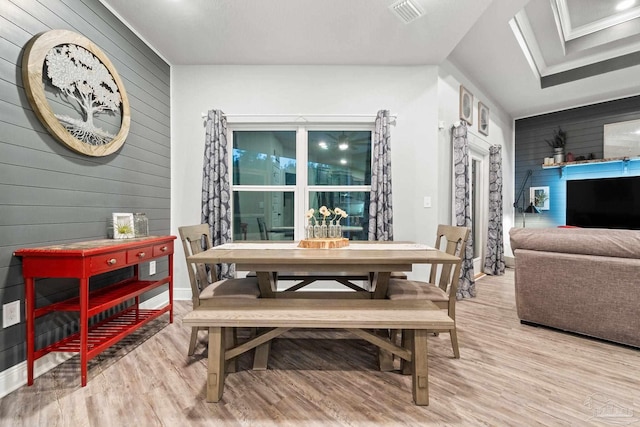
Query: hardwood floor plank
x=508, y=374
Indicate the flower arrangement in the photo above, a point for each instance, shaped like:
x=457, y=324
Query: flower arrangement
x=339, y=213
x=322, y=230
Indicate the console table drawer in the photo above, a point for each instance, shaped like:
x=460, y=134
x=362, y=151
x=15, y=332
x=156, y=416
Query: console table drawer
x=163, y=249
x=137, y=255
x=106, y=262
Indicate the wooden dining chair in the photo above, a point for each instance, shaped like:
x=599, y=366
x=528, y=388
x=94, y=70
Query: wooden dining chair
x=443, y=280
x=204, y=282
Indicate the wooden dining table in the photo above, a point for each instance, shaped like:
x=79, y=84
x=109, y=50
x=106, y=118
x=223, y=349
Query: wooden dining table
x=373, y=261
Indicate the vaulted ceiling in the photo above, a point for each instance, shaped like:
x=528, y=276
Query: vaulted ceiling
x=529, y=56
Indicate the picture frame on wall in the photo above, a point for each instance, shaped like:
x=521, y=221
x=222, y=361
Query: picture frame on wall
x=466, y=105
x=123, y=226
x=539, y=196
x=483, y=119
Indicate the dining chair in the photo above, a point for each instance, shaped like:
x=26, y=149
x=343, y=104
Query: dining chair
x=262, y=227
x=204, y=281
x=443, y=280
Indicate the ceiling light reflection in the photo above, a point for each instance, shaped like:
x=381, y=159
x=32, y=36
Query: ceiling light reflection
x=624, y=5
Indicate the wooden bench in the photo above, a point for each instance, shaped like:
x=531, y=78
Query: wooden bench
x=415, y=317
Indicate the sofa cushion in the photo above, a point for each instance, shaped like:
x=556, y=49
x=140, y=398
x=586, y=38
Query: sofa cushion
x=584, y=241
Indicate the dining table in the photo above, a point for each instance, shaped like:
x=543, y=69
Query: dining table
x=372, y=261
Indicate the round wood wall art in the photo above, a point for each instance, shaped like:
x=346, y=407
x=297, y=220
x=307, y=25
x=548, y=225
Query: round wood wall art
x=86, y=88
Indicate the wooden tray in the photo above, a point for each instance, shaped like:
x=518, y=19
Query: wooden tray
x=327, y=243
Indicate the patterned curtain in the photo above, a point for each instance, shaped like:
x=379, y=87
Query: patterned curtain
x=462, y=187
x=380, y=206
x=494, y=260
x=216, y=197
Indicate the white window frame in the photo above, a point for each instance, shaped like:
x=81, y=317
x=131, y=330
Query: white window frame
x=302, y=189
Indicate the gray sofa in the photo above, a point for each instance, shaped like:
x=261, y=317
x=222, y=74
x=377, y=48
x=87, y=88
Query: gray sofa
x=579, y=280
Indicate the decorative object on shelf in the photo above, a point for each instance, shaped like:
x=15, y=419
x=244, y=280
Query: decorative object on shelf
x=466, y=105
x=123, y=226
x=140, y=224
x=558, y=142
x=569, y=157
x=483, y=119
x=548, y=161
x=82, y=80
x=539, y=196
x=529, y=209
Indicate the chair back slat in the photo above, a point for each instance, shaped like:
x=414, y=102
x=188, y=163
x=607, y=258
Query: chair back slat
x=453, y=240
x=196, y=239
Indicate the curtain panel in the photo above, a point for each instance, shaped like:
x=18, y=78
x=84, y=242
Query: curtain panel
x=494, y=259
x=216, y=189
x=380, y=205
x=462, y=205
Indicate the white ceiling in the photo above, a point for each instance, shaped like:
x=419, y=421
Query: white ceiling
x=475, y=35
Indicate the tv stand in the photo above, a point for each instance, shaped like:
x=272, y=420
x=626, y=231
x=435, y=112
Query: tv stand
x=82, y=260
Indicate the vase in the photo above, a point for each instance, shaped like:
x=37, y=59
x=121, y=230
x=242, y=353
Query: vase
x=558, y=155
x=332, y=229
x=317, y=231
x=338, y=230
x=324, y=232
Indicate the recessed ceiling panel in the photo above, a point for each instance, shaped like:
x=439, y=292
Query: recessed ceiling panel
x=582, y=17
x=591, y=37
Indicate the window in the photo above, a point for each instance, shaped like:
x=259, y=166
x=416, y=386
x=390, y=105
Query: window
x=279, y=173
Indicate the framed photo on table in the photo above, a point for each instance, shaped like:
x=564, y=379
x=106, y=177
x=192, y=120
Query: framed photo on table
x=483, y=118
x=466, y=105
x=123, y=227
x=539, y=196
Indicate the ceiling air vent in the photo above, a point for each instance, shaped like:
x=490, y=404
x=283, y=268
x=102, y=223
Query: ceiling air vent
x=406, y=10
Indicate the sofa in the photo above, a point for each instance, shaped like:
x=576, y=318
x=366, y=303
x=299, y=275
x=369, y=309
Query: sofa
x=579, y=280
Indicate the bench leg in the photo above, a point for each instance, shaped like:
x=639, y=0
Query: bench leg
x=407, y=342
x=385, y=358
x=420, y=371
x=215, y=372
x=261, y=356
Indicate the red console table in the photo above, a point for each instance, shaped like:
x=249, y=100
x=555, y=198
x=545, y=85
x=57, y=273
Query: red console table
x=82, y=260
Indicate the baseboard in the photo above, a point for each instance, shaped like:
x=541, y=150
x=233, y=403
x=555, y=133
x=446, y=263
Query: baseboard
x=15, y=377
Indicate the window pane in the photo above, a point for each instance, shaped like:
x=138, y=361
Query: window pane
x=355, y=203
x=339, y=158
x=264, y=157
x=275, y=208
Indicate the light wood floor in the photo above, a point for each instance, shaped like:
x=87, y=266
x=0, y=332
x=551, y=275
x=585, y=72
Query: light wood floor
x=509, y=374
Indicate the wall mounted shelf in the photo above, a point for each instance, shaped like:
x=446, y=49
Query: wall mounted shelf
x=561, y=166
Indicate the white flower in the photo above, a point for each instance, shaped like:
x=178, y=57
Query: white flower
x=324, y=211
x=310, y=213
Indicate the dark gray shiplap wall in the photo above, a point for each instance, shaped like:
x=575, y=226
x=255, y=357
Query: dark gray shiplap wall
x=585, y=135
x=48, y=193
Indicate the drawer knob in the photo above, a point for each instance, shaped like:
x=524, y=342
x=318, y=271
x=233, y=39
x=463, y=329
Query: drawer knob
x=141, y=254
x=163, y=249
x=111, y=261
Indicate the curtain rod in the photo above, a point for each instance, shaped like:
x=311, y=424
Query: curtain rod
x=305, y=116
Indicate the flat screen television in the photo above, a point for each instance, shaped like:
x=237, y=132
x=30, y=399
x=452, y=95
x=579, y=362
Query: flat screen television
x=604, y=203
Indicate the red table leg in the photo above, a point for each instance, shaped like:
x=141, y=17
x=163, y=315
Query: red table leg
x=29, y=307
x=84, y=329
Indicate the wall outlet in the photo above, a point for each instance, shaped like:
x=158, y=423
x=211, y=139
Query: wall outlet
x=11, y=313
x=152, y=268
x=426, y=202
